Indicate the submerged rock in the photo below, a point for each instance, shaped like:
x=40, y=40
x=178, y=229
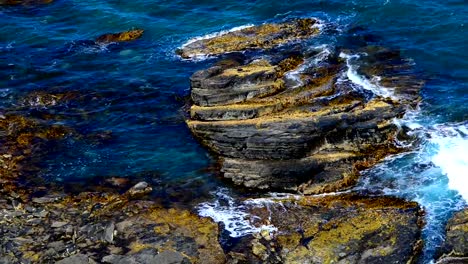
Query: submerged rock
x=297, y=125
x=24, y=2
x=44, y=99
x=122, y=36
x=455, y=248
x=263, y=36
x=338, y=229
x=23, y=141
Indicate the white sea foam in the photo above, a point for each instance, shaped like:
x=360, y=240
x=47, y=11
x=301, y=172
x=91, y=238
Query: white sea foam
x=361, y=81
x=224, y=209
x=216, y=34
x=452, y=155
x=201, y=56
x=295, y=75
x=434, y=174
x=88, y=48
x=4, y=92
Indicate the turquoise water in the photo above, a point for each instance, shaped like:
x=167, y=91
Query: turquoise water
x=136, y=90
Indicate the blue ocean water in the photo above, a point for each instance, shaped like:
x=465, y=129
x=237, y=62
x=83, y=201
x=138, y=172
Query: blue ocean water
x=136, y=90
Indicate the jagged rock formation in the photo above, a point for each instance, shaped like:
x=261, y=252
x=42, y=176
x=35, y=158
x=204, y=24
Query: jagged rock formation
x=301, y=123
x=121, y=36
x=256, y=37
x=338, y=229
x=455, y=248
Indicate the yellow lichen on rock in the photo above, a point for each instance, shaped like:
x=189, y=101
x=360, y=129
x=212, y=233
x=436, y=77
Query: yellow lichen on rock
x=180, y=223
x=122, y=36
x=344, y=229
x=263, y=36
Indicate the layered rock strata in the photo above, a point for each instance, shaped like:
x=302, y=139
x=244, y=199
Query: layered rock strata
x=301, y=123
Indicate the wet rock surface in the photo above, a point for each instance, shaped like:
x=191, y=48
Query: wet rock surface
x=121, y=36
x=455, y=248
x=263, y=36
x=299, y=123
x=337, y=229
x=104, y=228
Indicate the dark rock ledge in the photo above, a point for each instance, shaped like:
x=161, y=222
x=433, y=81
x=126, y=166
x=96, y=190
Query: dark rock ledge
x=455, y=248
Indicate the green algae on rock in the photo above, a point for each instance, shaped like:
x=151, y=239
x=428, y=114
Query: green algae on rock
x=339, y=229
x=263, y=36
x=121, y=37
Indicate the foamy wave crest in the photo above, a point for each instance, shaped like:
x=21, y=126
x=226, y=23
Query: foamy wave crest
x=203, y=56
x=451, y=143
x=361, y=81
x=215, y=34
x=234, y=214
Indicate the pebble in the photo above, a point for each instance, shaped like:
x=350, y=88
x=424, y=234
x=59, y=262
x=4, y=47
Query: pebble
x=58, y=224
x=43, y=200
x=57, y=245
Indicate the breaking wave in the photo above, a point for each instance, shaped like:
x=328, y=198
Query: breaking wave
x=361, y=81
x=233, y=214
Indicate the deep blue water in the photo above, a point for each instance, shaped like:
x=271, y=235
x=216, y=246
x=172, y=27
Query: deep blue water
x=136, y=90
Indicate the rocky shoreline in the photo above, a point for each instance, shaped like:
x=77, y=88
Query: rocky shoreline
x=290, y=121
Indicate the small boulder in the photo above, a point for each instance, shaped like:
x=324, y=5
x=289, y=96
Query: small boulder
x=76, y=259
x=120, y=37
x=140, y=189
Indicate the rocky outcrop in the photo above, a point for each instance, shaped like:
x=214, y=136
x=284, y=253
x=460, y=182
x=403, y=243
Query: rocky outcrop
x=455, y=248
x=336, y=229
x=301, y=123
x=104, y=227
x=263, y=36
x=121, y=37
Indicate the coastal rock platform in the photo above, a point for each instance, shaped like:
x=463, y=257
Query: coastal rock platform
x=302, y=122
